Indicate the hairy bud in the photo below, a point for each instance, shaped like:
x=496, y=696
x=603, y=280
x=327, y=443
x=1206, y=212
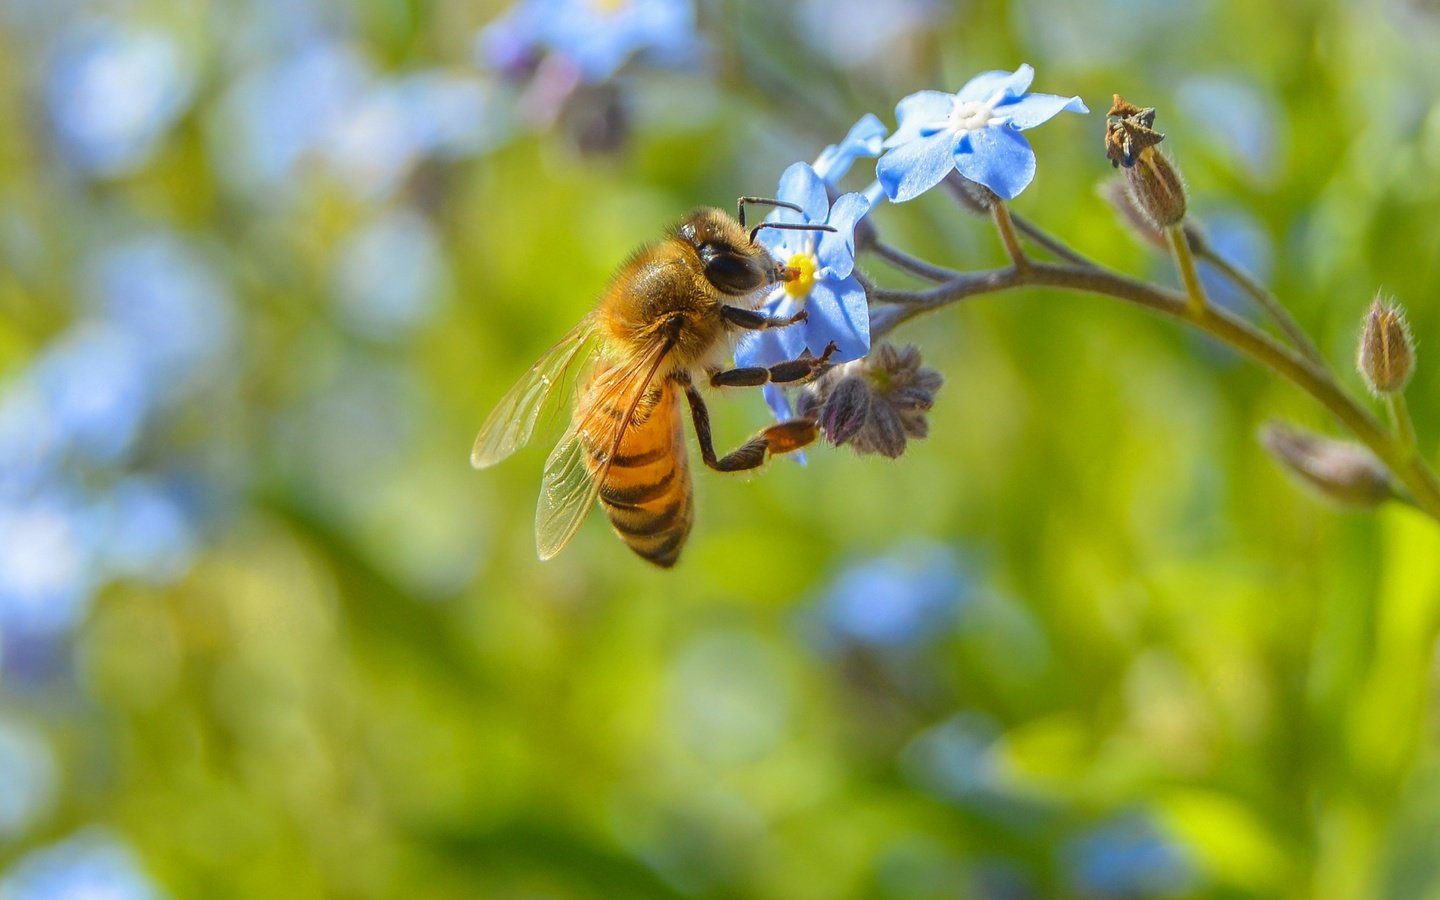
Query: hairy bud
x=874, y=404
x=971, y=195
x=1343, y=471
x=1156, y=187
x=1387, y=351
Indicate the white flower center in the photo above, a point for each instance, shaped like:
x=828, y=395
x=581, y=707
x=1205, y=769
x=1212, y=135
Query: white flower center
x=971, y=115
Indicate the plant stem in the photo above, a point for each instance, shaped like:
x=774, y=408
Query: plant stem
x=1267, y=301
x=1185, y=261
x=1406, y=466
x=913, y=265
x=1000, y=212
x=1051, y=244
x=1400, y=420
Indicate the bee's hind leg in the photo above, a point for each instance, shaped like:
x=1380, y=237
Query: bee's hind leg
x=780, y=438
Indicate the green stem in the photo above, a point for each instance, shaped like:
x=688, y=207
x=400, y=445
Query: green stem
x=1400, y=420
x=1407, y=467
x=1185, y=262
x=1000, y=212
x=1267, y=301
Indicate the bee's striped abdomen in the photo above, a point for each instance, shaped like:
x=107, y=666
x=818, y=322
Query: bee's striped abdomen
x=647, y=492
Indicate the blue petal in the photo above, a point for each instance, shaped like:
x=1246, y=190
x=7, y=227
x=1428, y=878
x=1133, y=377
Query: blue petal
x=864, y=139
x=987, y=84
x=838, y=313
x=801, y=186
x=760, y=348
x=913, y=168
x=836, y=253
x=782, y=243
x=916, y=111
x=999, y=158
x=1033, y=109
x=779, y=403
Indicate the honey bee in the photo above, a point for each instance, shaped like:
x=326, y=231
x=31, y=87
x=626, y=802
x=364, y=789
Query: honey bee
x=665, y=322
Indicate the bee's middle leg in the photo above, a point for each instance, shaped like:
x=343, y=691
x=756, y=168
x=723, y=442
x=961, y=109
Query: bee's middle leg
x=780, y=438
x=790, y=371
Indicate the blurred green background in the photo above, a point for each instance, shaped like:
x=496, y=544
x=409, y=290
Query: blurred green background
x=265, y=266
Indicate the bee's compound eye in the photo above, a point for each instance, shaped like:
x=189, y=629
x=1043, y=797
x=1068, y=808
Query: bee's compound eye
x=731, y=272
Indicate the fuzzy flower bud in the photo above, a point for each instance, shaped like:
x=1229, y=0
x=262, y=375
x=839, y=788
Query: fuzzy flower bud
x=1155, y=184
x=1343, y=471
x=1387, y=351
x=874, y=404
x=972, y=195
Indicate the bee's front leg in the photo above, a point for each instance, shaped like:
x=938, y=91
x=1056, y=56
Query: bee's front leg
x=791, y=371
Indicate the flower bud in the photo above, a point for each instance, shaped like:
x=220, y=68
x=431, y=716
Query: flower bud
x=972, y=195
x=846, y=409
x=1387, y=351
x=1345, y=472
x=874, y=404
x=1155, y=184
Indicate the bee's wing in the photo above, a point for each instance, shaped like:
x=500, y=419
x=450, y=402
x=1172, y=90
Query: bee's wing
x=570, y=486
x=511, y=424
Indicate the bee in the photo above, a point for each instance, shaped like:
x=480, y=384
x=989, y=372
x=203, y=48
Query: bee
x=665, y=322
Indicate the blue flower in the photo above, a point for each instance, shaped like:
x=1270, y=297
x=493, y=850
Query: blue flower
x=1127, y=857
x=112, y=95
x=597, y=36
x=897, y=600
x=824, y=284
x=866, y=138
x=389, y=275
x=975, y=131
x=92, y=864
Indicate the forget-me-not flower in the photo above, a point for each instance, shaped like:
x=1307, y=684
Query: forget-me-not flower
x=865, y=139
x=824, y=284
x=597, y=36
x=112, y=94
x=975, y=131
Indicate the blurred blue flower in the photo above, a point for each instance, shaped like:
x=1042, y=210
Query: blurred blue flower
x=160, y=291
x=29, y=442
x=1240, y=237
x=112, y=93
x=147, y=532
x=1127, y=857
x=47, y=564
x=975, y=131
x=597, y=36
x=865, y=139
x=275, y=116
x=824, y=285
x=862, y=34
x=909, y=596
x=95, y=391
x=28, y=778
x=388, y=275
x=955, y=759
x=90, y=865
x=1239, y=122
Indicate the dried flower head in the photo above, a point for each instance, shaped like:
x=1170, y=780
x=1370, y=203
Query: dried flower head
x=1129, y=130
x=874, y=404
x=1346, y=472
x=1387, y=351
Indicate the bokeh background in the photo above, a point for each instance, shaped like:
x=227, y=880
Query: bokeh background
x=265, y=265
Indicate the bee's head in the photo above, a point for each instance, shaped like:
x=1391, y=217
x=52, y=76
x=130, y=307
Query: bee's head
x=730, y=257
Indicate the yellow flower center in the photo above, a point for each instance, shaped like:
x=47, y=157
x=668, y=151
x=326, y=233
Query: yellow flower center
x=803, y=265
x=606, y=7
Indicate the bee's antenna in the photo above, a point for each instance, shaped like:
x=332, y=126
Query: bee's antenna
x=767, y=201
x=788, y=226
